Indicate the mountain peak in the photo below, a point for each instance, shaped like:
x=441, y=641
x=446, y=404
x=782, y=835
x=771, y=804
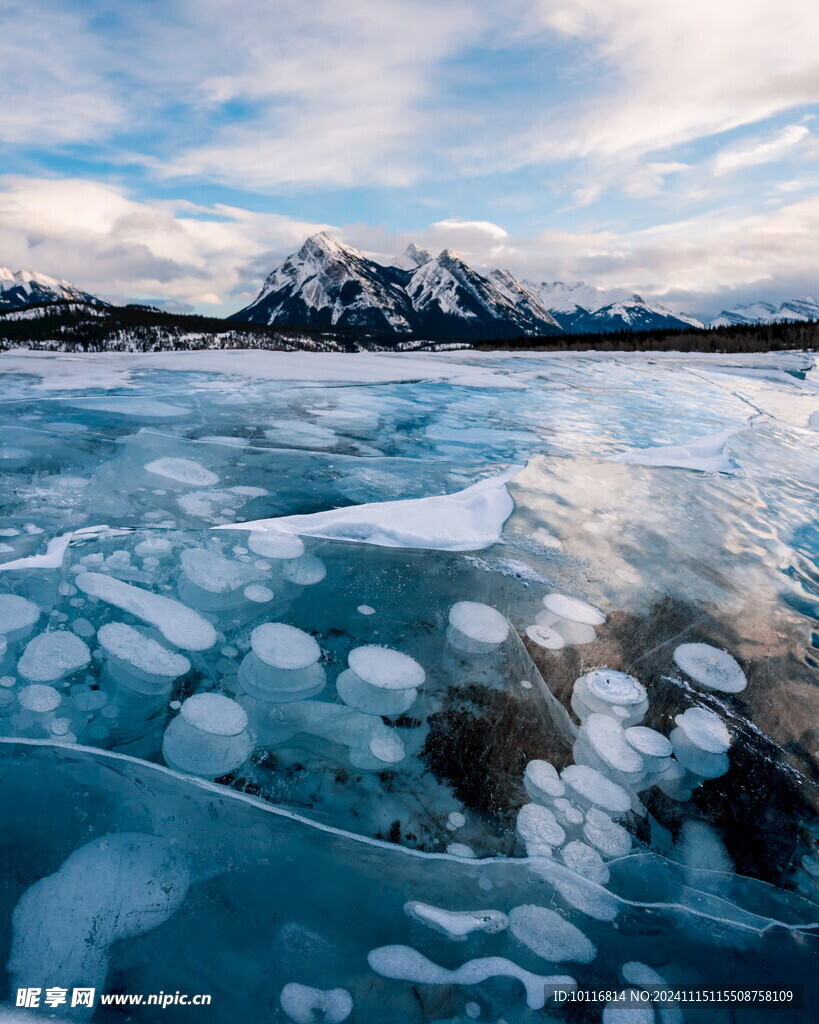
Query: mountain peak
x=326, y=243
x=412, y=257
x=21, y=288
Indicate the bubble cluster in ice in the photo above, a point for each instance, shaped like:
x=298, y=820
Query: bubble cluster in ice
x=209, y=736
x=457, y=925
x=550, y=936
x=380, y=681
x=306, y=1005
x=52, y=656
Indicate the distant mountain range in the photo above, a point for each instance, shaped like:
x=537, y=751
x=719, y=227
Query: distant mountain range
x=25, y=288
x=329, y=285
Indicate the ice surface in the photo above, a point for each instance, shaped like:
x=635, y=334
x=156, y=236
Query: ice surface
x=180, y=626
x=711, y=667
x=339, y=801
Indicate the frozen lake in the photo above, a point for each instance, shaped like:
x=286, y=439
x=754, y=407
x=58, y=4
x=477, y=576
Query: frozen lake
x=396, y=688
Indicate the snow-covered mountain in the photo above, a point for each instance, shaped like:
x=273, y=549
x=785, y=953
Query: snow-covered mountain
x=329, y=283
x=582, y=308
x=636, y=314
x=24, y=288
x=804, y=309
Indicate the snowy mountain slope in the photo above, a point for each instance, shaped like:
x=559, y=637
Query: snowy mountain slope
x=520, y=296
x=448, y=295
x=803, y=309
x=582, y=308
x=25, y=287
x=327, y=283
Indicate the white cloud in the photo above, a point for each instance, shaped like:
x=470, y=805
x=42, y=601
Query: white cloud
x=111, y=245
x=734, y=158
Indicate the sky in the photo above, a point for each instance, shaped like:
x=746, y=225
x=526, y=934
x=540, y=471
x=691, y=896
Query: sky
x=175, y=151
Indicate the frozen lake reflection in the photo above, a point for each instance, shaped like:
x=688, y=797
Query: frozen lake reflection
x=408, y=688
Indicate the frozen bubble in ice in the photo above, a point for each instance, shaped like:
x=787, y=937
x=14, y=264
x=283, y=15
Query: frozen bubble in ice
x=641, y=975
x=385, y=668
x=648, y=742
x=456, y=924
x=258, y=594
x=182, y=471
x=567, y=813
x=139, y=652
x=208, y=737
x=547, y=637
x=305, y=1005
x=275, y=544
x=694, y=759
x=301, y=434
x=614, y=687
x=548, y=935
x=710, y=667
x=403, y=963
x=365, y=609
x=611, y=839
x=82, y=627
x=212, y=582
x=17, y=615
x=585, y=861
x=455, y=820
x=479, y=622
x=50, y=656
x=628, y=1011
x=574, y=609
x=472, y=1010
x=373, y=700
x=180, y=625
x=386, y=747
x=541, y=781
x=538, y=828
x=214, y=714
x=305, y=571
x=39, y=698
x=705, y=729
x=285, y=647
x=608, y=740
x=153, y=547
x=576, y=634
x=591, y=787
x=460, y=850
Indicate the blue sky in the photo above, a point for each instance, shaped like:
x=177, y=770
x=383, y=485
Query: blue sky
x=175, y=150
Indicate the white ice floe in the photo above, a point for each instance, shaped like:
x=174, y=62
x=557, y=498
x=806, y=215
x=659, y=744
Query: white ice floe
x=51, y=558
x=53, y=655
x=209, y=737
x=705, y=729
x=276, y=544
x=306, y=1005
x=591, y=788
x=574, y=609
x=711, y=667
x=464, y=521
x=550, y=936
x=403, y=963
x=705, y=454
x=180, y=625
x=457, y=925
